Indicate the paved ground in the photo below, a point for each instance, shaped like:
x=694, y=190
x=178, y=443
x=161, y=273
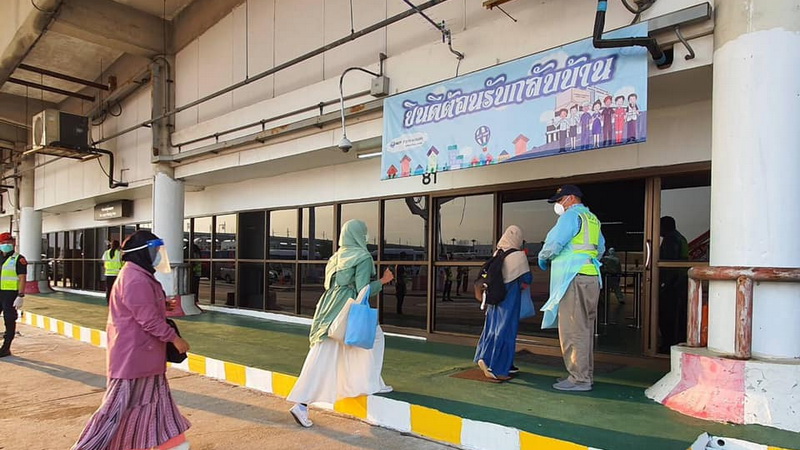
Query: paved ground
x=52, y=384
x=616, y=415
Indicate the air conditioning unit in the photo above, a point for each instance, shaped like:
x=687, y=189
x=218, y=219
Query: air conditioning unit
x=53, y=128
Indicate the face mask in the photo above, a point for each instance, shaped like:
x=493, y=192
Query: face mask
x=7, y=248
x=559, y=208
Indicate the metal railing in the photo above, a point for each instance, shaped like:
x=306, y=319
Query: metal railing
x=744, y=277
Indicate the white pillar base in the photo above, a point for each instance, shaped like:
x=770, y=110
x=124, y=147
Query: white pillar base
x=706, y=386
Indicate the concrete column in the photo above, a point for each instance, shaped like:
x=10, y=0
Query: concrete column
x=168, y=196
x=30, y=229
x=755, y=187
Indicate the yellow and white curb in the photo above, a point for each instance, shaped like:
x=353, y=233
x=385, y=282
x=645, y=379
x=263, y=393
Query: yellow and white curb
x=380, y=411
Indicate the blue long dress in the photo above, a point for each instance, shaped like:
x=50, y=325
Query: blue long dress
x=498, y=341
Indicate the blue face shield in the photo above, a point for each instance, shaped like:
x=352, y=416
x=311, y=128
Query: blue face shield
x=158, y=254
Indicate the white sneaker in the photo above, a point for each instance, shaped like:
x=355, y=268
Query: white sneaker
x=300, y=414
x=385, y=390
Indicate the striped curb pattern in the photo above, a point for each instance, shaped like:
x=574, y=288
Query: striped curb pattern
x=375, y=410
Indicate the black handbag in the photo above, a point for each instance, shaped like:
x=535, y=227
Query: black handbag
x=173, y=355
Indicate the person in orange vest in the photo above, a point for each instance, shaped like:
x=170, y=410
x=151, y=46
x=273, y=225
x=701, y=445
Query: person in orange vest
x=12, y=288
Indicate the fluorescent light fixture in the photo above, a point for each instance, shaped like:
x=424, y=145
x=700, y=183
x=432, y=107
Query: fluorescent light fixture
x=368, y=155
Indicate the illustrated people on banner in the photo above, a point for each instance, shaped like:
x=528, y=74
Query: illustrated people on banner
x=574, y=120
x=585, y=126
x=563, y=129
x=632, y=117
x=620, y=113
x=597, y=124
x=608, y=121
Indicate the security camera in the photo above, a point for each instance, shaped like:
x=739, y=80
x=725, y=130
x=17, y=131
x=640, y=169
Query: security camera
x=345, y=145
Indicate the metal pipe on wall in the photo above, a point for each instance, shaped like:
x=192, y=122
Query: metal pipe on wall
x=353, y=36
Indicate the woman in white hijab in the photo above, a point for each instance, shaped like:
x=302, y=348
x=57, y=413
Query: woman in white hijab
x=496, y=347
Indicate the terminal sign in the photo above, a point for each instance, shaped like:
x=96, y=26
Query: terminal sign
x=114, y=210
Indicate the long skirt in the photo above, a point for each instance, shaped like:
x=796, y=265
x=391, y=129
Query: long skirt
x=135, y=414
x=333, y=371
x=497, y=345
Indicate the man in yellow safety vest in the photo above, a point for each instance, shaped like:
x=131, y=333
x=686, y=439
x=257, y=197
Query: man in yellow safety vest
x=13, y=274
x=570, y=251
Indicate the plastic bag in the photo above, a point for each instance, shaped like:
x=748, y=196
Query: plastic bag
x=338, y=327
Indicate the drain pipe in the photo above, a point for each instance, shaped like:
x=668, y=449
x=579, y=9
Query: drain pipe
x=351, y=37
x=111, y=183
x=661, y=59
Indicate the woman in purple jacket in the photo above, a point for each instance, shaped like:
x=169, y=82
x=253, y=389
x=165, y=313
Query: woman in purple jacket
x=137, y=410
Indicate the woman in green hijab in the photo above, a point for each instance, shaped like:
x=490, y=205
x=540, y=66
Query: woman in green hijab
x=333, y=370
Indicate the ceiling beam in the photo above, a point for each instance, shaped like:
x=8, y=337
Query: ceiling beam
x=113, y=25
x=25, y=37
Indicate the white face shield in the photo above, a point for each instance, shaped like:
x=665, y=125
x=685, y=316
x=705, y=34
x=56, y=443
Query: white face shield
x=158, y=254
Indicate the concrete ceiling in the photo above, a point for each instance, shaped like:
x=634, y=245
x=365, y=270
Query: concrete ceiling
x=158, y=7
x=64, y=54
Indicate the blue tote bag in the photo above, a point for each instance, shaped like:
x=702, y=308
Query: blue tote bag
x=362, y=324
x=526, y=308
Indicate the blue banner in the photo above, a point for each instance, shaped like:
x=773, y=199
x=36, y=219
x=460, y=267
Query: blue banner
x=568, y=99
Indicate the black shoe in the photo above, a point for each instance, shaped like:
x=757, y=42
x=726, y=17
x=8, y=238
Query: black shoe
x=5, y=351
x=513, y=369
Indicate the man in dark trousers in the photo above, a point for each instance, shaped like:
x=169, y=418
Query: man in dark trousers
x=13, y=273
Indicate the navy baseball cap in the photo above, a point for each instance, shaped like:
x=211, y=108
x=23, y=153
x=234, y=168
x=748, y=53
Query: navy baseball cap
x=563, y=191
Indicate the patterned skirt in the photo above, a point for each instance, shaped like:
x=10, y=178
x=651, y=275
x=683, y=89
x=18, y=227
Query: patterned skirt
x=135, y=414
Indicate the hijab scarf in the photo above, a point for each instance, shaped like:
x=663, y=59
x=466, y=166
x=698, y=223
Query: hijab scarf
x=352, y=250
x=515, y=264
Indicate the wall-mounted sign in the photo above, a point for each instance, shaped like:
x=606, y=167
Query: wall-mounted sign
x=569, y=99
x=113, y=210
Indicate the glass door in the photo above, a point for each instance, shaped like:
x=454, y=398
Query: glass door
x=620, y=207
x=679, y=225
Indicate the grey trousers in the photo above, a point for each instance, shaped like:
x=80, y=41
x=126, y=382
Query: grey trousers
x=577, y=312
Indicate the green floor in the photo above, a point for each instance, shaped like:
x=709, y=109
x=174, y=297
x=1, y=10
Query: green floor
x=615, y=415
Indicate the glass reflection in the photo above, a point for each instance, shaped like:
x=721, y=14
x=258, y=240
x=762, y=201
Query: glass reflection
x=252, y=235
x=225, y=237
x=317, y=233
x=251, y=285
x=456, y=310
x=368, y=213
x=405, y=300
x=466, y=228
x=405, y=229
x=281, y=291
x=311, y=287
x=224, y=283
x=283, y=234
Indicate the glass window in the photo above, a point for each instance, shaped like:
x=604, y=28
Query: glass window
x=187, y=230
x=115, y=234
x=76, y=274
x=52, y=248
x=90, y=248
x=405, y=230
x=689, y=208
x=456, y=309
x=318, y=233
x=225, y=237
x=202, y=238
x=127, y=230
x=405, y=300
x=251, y=285
x=311, y=287
x=368, y=213
x=204, y=283
x=101, y=242
x=252, y=235
x=91, y=275
x=283, y=234
x=281, y=292
x=66, y=239
x=466, y=227
x=224, y=283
